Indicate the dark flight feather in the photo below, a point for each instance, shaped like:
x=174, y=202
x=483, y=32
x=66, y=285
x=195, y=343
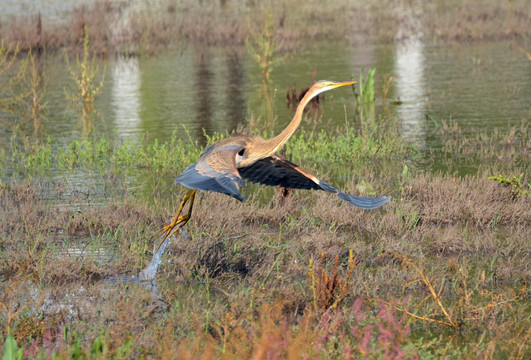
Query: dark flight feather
x=275, y=170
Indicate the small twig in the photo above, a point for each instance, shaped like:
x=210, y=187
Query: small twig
x=418, y=316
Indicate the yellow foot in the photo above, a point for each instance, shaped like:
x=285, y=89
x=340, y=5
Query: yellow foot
x=178, y=221
x=175, y=222
x=182, y=220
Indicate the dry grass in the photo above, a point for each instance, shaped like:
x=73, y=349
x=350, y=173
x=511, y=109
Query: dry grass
x=115, y=27
x=445, y=253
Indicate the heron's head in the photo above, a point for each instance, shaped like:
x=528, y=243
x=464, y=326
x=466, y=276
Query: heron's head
x=325, y=85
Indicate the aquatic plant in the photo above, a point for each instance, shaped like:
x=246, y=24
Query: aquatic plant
x=365, y=101
x=86, y=90
x=386, y=87
x=365, y=95
x=262, y=45
x=104, y=154
x=22, y=91
x=6, y=62
x=294, y=98
x=32, y=94
x=9, y=94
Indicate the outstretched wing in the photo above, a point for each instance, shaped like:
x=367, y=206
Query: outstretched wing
x=275, y=170
x=215, y=171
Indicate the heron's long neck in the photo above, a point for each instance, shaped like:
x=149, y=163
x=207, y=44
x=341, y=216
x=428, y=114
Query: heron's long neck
x=278, y=141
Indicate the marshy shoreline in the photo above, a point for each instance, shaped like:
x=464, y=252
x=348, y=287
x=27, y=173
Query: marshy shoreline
x=441, y=271
x=447, y=258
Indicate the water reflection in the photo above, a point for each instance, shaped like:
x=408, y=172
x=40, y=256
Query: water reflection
x=482, y=86
x=126, y=96
x=409, y=71
x=235, y=100
x=78, y=250
x=203, y=97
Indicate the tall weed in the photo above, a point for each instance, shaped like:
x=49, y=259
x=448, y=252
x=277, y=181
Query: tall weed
x=86, y=88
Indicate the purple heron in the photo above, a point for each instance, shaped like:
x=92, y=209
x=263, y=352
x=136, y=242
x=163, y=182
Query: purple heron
x=224, y=165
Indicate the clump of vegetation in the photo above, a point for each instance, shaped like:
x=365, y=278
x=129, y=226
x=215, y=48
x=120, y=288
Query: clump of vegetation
x=7, y=59
x=474, y=302
x=365, y=101
x=262, y=46
x=365, y=96
x=329, y=290
x=32, y=98
x=87, y=89
x=105, y=155
x=517, y=188
x=22, y=91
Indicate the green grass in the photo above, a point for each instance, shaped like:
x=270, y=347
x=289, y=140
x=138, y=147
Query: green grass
x=29, y=158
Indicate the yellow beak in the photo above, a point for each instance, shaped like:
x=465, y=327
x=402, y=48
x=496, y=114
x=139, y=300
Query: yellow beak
x=342, y=83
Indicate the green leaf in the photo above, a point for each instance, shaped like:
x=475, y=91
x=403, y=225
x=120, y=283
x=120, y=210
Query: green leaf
x=97, y=346
x=77, y=353
x=11, y=350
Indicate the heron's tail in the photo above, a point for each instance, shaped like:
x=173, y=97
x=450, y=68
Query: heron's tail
x=366, y=203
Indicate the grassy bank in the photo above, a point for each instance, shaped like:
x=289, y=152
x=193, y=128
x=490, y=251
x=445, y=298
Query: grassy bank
x=440, y=271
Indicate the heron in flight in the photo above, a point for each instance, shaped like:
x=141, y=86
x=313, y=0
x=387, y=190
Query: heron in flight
x=224, y=165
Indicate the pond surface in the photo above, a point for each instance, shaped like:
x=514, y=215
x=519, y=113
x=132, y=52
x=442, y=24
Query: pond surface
x=482, y=86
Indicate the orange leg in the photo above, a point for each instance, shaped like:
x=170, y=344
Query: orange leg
x=179, y=219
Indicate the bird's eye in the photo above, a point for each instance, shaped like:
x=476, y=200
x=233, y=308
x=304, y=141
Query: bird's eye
x=241, y=152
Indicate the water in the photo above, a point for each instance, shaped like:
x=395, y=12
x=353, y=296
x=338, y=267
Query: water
x=101, y=254
x=148, y=274
x=483, y=86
